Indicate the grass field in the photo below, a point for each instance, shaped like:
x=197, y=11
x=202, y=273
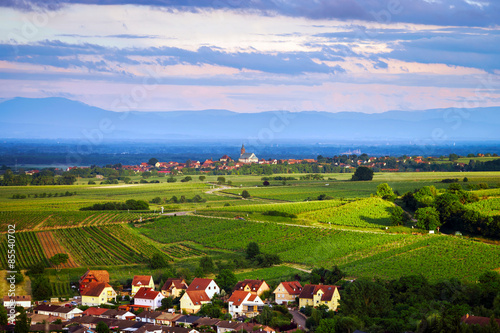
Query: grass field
x=348, y=231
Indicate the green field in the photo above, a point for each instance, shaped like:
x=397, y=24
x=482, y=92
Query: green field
x=348, y=230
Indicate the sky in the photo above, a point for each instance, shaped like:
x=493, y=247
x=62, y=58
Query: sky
x=253, y=55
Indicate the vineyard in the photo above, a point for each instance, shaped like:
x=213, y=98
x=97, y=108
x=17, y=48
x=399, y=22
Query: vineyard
x=366, y=213
x=490, y=207
x=182, y=250
x=290, y=208
x=92, y=246
x=52, y=247
x=28, y=250
x=376, y=253
x=50, y=220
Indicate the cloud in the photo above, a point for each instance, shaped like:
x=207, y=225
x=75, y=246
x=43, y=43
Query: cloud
x=444, y=12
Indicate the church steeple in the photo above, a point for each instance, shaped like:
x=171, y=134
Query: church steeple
x=242, y=149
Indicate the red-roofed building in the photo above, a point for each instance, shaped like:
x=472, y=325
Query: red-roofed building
x=140, y=281
x=93, y=311
x=225, y=158
x=93, y=276
x=148, y=297
x=476, y=320
x=287, y=292
x=256, y=287
x=244, y=303
x=173, y=287
x=97, y=293
x=318, y=294
x=199, y=292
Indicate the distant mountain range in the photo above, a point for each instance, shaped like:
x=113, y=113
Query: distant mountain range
x=59, y=118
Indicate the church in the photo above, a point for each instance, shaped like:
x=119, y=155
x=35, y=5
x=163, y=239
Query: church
x=247, y=157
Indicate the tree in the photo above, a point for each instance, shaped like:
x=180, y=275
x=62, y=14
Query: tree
x=22, y=323
x=3, y=316
x=41, y=288
x=157, y=261
x=152, y=161
x=265, y=183
x=397, y=216
x=427, y=218
x=245, y=194
x=37, y=269
x=226, y=280
x=385, y=192
x=362, y=173
x=326, y=325
x=59, y=259
x=252, y=250
x=206, y=264
x=364, y=297
x=171, y=179
x=167, y=303
x=221, y=180
x=102, y=327
x=202, y=178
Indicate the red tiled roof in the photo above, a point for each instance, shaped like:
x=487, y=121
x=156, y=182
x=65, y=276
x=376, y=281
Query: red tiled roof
x=199, y=284
x=312, y=289
x=94, y=311
x=197, y=297
x=94, y=289
x=253, y=284
x=100, y=275
x=146, y=293
x=475, y=320
x=141, y=280
x=252, y=297
x=177, y=283
x=17, y=298
x=292, y=287
x=238, y=297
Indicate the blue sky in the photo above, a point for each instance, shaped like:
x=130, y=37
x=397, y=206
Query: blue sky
x=253, y=55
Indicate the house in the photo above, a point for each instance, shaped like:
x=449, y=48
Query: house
x=247, y=157
x=228, y=326
x=167, y=319
x=173, y=287
x=140, y=281
x=318, y=294
x=187, y=321
x=97, y=293
x=93, y=311
x=199, y=292
x=149, y=316
x=244, y=303
x=287, y=292
x=18, y=300
x=148, y=297
x=206, y=322
x=93, y=276
x=256, y=287
x=225, y=158
x=179, y=330
x=62, y=312
x=476, y=320
x=118, y=314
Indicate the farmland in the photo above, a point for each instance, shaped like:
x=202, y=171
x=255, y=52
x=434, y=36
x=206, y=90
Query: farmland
x=347, y=229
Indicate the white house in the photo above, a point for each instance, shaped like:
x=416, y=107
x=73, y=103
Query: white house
x=24, y=301
x=208, y=285
x=244, y=303
x=199, y=292
x=148, y=297
x=141, y=281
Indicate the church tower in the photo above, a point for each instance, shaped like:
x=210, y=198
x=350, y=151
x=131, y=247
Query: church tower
x=242, y=149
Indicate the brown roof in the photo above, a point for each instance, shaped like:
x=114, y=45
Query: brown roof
x=94, y=311
x=229, y=324
x=149, y=314
x=146, y=293
x=177, y=283
x=198, y=296
x=253, y=284
x=199, y=284
x=169, y=316
x=99, y=275
x=292, y=287
x=141, y=280
x=206, y=321
x=175, y=329
x=17, y=298
x=42, y=328
x=475, y=320
x=238, y=297
x=312, y=289
x=95, y=289
x=46, y=307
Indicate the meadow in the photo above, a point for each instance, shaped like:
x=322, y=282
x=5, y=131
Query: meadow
x=347, y=229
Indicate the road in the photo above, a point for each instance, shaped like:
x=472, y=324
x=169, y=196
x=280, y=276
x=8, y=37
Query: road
x=299, y=319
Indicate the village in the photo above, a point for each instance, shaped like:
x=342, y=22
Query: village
x=147, y=313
